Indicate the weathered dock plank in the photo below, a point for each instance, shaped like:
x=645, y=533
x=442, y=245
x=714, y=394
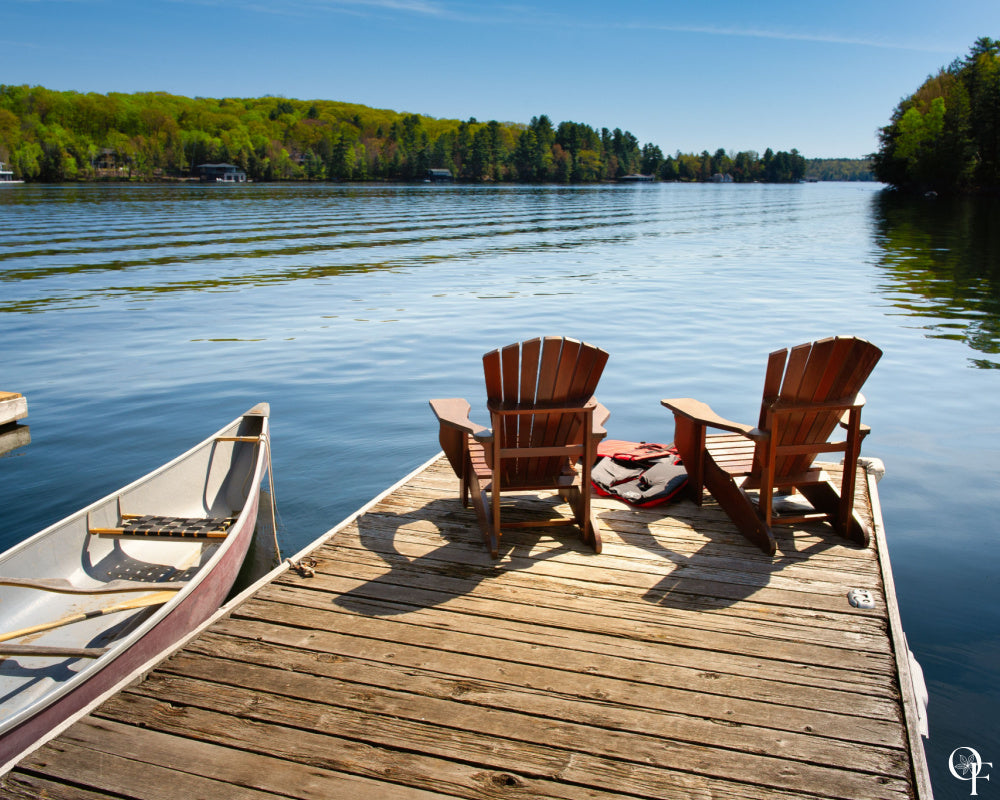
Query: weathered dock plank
x=680, y=662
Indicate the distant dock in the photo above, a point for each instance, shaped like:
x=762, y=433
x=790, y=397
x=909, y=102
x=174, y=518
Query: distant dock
x=13, y=406
x=681, y=662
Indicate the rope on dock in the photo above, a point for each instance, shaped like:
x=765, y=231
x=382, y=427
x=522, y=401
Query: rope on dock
x=306, y=567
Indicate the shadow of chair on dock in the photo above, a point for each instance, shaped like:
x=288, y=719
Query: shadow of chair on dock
x=409, y=553
x=434, y=553
x=725, y=569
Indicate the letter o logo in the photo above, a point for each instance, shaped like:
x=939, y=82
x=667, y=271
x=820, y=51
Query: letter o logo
x=968, y=767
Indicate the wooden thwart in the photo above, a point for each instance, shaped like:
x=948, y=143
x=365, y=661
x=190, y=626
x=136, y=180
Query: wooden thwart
x=154, y=526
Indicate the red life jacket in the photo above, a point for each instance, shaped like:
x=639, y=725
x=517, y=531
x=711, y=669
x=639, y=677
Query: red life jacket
x=638, y=473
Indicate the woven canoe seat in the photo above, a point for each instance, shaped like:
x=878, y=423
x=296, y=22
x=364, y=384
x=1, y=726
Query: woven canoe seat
x=184, y=527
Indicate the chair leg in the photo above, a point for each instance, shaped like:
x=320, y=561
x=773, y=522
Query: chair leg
x=588, y=519
x=583, y=515
x=465, y=487
x=595, y=533
x=491, y=532
x=689, y=439
x=479, y=503
x=826, y=499
x=848, y=523
x=738, y=506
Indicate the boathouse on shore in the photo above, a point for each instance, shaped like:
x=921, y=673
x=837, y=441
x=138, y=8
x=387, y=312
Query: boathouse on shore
x=6, y=175
x=221, y=173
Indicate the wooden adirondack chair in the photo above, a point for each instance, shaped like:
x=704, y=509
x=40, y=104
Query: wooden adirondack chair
x=544, y=422
x=808, y=391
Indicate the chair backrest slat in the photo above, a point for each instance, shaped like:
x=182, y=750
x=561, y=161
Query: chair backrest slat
x=549, y=371
x=773, y=376
x=833, y=373
x=550, y=384
x=806, y=381
x=827, y=370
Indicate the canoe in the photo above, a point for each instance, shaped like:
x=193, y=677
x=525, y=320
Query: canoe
x=89, y=600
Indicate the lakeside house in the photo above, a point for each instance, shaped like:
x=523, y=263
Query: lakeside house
x=109, y=165
x=221, y=173
x=635, y=178
x=439, y=176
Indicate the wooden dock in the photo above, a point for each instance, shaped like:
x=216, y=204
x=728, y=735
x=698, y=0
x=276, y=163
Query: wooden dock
x=679, y=663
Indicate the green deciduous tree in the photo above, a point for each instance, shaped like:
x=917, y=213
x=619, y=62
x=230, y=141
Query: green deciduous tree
x=946, y=136
x=58, y=136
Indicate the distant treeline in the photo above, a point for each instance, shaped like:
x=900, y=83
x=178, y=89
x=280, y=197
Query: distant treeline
x=55, y=136
x=839, y=169
x=946, y=136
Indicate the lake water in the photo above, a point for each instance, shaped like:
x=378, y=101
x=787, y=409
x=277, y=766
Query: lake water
x=139, y=319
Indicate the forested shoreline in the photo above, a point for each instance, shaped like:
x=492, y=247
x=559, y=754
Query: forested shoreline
x=945, y=137
x=839, y=169
x=57, y=136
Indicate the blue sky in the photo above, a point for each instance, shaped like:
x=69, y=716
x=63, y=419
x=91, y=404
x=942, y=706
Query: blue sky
x=693, y=76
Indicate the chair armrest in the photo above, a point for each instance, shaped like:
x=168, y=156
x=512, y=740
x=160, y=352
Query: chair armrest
x=601, y=415
x=453, y=412
x=700, y=412
x=863, y=429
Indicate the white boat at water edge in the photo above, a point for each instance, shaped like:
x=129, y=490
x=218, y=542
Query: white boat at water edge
x=7, y=176
x=96, y=596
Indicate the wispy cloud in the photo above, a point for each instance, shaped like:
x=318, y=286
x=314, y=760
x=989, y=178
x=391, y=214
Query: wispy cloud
x=411, y=6
x=794, y=36
x=521, y=15
x=306, y=7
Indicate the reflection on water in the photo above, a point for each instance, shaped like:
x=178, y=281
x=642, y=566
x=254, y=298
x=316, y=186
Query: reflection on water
x=13, y=436
x=76, y=247
x=942, y=260
x=142, y=241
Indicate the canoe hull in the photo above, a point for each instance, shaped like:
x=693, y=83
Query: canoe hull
x=162, y=628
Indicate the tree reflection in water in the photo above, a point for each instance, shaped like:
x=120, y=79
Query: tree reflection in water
x=941, y=257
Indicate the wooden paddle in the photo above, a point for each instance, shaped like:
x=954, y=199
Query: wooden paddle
x=40, y=651
x=111, y=587
x=155, y=599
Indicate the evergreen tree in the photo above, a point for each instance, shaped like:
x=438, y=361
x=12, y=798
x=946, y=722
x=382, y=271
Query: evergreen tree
x=478, y=166
x=524, y=155
x=651, y=159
